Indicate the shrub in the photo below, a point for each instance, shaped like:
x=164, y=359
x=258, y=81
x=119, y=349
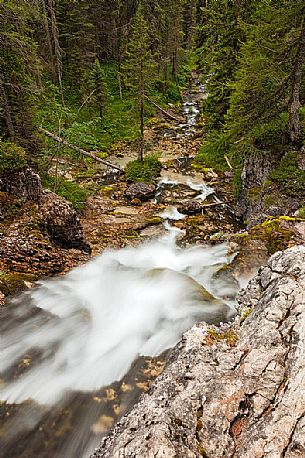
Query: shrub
x=12, y=157
x=144, y=171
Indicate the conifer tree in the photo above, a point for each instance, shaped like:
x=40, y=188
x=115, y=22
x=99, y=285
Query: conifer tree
x=270, y=74
x=97, y=81
x=19, y=67
x=139, y=68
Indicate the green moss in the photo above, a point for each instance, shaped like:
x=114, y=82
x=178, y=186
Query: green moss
x=288, y=176
x=254, y=194
x=12, y=283
x=245, y=315
x=12, y=157
x=273, y=233
x=302, y=212
x=200, y=167
x=212, y=155
x=67, y=189
x=154, y=220
x=143, y=171
x=230, y=337
x=269, y=200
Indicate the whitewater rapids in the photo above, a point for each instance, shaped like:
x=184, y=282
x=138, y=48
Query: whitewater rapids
x=96, y=320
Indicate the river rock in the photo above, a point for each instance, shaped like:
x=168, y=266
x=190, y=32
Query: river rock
x=141, y=191
x=234, y=391
x=190, y=207
x=61, y=222
x=22, y=183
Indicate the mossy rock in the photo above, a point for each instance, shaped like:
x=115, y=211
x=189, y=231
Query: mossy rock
x=273, y=232
x=14, y=282
x=254, y=194
x=154, y=220
x=143, y=171
x=12, y=158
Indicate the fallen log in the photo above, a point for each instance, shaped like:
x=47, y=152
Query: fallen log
x=236, y=391
x=166, y=113
x=61, y=140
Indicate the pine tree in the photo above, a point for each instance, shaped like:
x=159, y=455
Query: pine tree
x=19, y=70
x=97, y=82
x=221, y=36
x=139, y=68
x=269, y=77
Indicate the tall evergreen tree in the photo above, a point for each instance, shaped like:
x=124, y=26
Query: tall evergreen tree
x=139, y=67
x=270, y=73
x=19, y=69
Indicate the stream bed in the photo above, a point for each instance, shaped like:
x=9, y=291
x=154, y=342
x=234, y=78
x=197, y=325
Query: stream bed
x=77, y=351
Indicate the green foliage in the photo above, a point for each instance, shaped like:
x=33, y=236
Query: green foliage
x=213, y=152
x=12, y=157
x=145, y=171
x=301, y=212
x=288, y=176
x=272, y=135
x=69, y=190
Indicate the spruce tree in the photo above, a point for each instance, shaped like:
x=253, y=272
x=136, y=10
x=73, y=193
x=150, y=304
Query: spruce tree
x=270, y=73
x=139, y=68
x=19, y=71
x=97, y=82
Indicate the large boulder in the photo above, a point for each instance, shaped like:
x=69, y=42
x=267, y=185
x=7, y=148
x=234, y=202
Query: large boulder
x=61, y=222
x=140, y=191
x=190, y=207
x=234, y=391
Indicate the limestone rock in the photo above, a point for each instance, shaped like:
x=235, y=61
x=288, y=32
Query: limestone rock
x=234, y=391
x=141, y=191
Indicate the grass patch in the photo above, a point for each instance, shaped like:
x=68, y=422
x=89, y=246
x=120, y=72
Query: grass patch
x=288, y=176
x=67, y=189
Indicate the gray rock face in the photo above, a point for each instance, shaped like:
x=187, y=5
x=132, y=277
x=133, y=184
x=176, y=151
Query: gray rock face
x=234, y=391
x=22, y=183
x=141, y=191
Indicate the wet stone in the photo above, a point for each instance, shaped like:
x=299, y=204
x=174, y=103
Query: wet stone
x=141, y=191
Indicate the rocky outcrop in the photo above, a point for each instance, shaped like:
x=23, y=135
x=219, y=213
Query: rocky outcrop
x=234, y=391
x=249, y=205
x=22, y=183
x=140, y=191
x=61, y=222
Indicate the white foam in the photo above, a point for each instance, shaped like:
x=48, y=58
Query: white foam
x=123, y=303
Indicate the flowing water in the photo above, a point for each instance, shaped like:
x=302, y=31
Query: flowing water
x=80, y=333
x=77, y=351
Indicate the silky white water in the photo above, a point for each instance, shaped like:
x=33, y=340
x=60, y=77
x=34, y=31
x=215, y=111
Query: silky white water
x=124, y=303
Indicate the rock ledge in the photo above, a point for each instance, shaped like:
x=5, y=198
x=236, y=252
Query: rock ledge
x=235, y=391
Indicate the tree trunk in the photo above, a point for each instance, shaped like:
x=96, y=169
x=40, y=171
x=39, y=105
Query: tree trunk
x=56, y=47
x=294, y=102
x=58, y=139
x=49, y=40
x=142, y=96
x=237, y=391
x=7, y=110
